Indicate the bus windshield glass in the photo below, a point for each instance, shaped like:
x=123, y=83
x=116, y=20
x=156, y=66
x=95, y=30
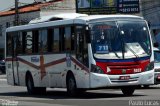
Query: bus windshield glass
x=120, y=39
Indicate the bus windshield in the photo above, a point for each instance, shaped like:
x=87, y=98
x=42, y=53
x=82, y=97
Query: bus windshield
x=120, y=39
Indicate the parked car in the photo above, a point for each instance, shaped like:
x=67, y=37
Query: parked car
x=157, y=66
x=2, y=66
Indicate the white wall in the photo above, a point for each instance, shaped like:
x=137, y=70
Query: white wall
x=66, y=6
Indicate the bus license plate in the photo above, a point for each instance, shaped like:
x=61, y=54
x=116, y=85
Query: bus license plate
x=124, y=77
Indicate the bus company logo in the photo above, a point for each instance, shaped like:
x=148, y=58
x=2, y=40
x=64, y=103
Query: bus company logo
x=124, y=71
x=35, y=59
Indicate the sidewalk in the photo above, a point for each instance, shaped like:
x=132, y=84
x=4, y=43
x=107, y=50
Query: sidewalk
x=2, y=76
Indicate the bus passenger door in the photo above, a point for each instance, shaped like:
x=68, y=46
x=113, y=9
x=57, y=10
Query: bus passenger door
x=82, y=57
x=82, y=47
x=15, y=61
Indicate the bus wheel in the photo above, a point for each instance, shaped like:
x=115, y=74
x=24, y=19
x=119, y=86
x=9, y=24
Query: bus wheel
x=71, y=85
x=128, y=91
x=30, y=85
x=34, y=90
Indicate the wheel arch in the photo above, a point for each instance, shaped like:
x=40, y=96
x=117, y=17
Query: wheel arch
x=70, y=73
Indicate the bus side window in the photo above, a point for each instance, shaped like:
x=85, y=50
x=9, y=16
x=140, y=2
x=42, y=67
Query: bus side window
x=85, y=52
x=56, y=39
x=42, y=41
x=19, y=43
x=67, y=38
x=14, y=43
x=72, y=38
x=24, y=42
x=62, y=39
x=79, y=47
x=9, y=44
x=35, y=48
x=50, y=39
x=29, y=43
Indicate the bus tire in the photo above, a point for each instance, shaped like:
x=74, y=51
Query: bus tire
x=128, y=90
x=71, y=85
x=30, y=84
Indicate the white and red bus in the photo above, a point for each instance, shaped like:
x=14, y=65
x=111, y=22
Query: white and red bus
x=77, y=51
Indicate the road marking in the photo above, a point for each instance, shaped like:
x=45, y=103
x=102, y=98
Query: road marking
x=5, y=86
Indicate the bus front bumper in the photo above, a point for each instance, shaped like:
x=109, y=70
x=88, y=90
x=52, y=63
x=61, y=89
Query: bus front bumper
x=103, y=80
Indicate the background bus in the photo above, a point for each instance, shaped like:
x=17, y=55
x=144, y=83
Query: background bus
x=76, y=51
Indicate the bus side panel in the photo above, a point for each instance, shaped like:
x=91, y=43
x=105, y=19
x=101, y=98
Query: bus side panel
x=54, y=66
x=81, y=73
x=45, y=69
x=57, y=72
x=49, y=70
x=82, y=79
x=26, y=65
x=60, y=65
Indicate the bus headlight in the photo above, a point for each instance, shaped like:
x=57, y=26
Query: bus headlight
x=96, y=69
x=150, y=66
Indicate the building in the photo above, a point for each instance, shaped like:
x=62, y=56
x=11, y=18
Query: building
x=29, y=12
x=62, y=6
x=151, y=12
x=7, y=19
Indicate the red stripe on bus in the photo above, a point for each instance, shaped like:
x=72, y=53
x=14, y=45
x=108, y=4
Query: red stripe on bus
x=38, y=67
x=51, y=63
x=29, y=63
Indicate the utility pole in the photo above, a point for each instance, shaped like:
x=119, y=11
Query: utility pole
x=16, y=13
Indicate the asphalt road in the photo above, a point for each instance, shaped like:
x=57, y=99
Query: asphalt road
x=17, y=96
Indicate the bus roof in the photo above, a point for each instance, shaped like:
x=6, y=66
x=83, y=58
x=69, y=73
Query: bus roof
x=57, y=17
x=93, y=17
x=68, y=19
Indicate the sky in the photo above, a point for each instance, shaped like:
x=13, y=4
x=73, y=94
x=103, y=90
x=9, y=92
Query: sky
x=4, y=4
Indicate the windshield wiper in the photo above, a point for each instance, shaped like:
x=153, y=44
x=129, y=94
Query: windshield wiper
x=132, y=51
